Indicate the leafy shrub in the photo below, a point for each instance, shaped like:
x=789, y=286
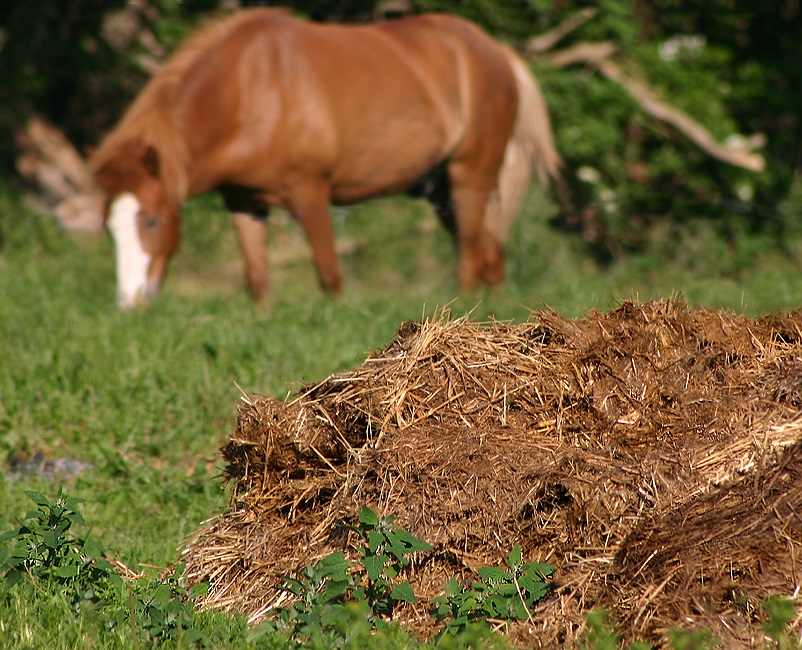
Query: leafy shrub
x=501, y=595
x=161, y=608
x=46, y=550
x=335, y=597
x=331, y=595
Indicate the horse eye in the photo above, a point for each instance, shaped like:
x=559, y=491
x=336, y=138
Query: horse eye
x=150, y=220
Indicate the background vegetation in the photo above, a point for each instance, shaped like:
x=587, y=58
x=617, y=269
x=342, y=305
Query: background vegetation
x=732, y=65
x=139, y=403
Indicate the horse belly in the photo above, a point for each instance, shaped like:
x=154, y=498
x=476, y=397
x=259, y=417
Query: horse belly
x=391, y=163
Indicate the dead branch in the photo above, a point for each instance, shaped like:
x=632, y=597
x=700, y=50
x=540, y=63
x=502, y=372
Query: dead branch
x=735, y=151
x=50, y=162
x=545, y=42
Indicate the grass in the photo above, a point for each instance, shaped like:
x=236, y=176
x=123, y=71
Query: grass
x=147, y=398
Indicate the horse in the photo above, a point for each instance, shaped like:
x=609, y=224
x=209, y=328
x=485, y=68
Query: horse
x=271, y=110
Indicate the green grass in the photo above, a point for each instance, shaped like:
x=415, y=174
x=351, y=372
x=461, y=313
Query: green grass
x=147, y=398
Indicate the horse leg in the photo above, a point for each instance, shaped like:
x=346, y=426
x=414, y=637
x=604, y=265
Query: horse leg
x=493, y=253
x=480, y=253
x=310, y=205
x=251, y=233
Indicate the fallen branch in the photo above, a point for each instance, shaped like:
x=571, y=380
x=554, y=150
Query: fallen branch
x=547, y=41
x=65, y=184
x=736, y=151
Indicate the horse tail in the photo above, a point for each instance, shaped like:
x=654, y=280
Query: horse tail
x=530, y=151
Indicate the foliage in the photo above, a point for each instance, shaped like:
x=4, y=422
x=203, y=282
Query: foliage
x=44, y=550
x=332, y=594
x=161, y=608
x=728, y=65
x=781, y=612
x=335, y=596
x=500, y=595
x=383, y=558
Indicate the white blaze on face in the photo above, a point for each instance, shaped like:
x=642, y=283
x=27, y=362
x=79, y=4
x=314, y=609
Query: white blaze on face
x=132, y=260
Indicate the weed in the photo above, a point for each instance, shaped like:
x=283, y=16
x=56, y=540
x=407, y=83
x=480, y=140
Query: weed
x=384, y=557
x=336, y=596
x=781, y=612
x=45, y=550
x=505, y=595
x=161, y=608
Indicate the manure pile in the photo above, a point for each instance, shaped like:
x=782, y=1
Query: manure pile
x=653, y=454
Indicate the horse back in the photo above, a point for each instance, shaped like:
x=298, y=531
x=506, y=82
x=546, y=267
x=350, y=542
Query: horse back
x=370, y=108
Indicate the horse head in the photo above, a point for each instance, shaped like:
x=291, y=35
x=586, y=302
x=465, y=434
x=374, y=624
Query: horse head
x=142, y=220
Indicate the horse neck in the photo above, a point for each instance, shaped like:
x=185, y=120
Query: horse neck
x=166, y=138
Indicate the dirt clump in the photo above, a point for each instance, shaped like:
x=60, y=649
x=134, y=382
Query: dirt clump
x=653, y=454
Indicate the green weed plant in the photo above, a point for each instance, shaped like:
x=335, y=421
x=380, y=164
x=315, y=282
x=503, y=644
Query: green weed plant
x=336, y=590
x=502, y=595
x=46, y=550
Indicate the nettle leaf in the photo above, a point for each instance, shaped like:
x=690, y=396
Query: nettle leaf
x=334, y=614
x=293, y=586
x=543, y=569
x=368, y=517
x=73, y=502
x=51, y=539
x=192, y=637
x=398, y=550
x=494, y=575
x=412, y=543
x=403, y=591
x=92, y=549
x=516, y=557
x=468, y=605
x=530, y=581
x=508, y=590
x=516, y=608
x=443, y=609
x=374, y=565
x=75, y=518
x=37, y=498
x=495, y=606
x=67, y=571
x=538, y=591
x=13, y=578
x=35, y=514
x=375, y=540
x=335, y=565
x=162, y=595
x=452, y=588
x=334, y=589
x=198, y=590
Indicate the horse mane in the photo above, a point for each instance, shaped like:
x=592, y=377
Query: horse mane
x=150, y=122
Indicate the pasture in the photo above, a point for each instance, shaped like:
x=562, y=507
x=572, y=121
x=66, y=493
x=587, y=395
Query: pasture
x=142, y=401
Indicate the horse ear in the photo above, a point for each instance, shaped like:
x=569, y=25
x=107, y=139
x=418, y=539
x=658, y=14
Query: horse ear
x=151, y=161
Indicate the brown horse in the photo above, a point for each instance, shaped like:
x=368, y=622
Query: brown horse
x=272, y=110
